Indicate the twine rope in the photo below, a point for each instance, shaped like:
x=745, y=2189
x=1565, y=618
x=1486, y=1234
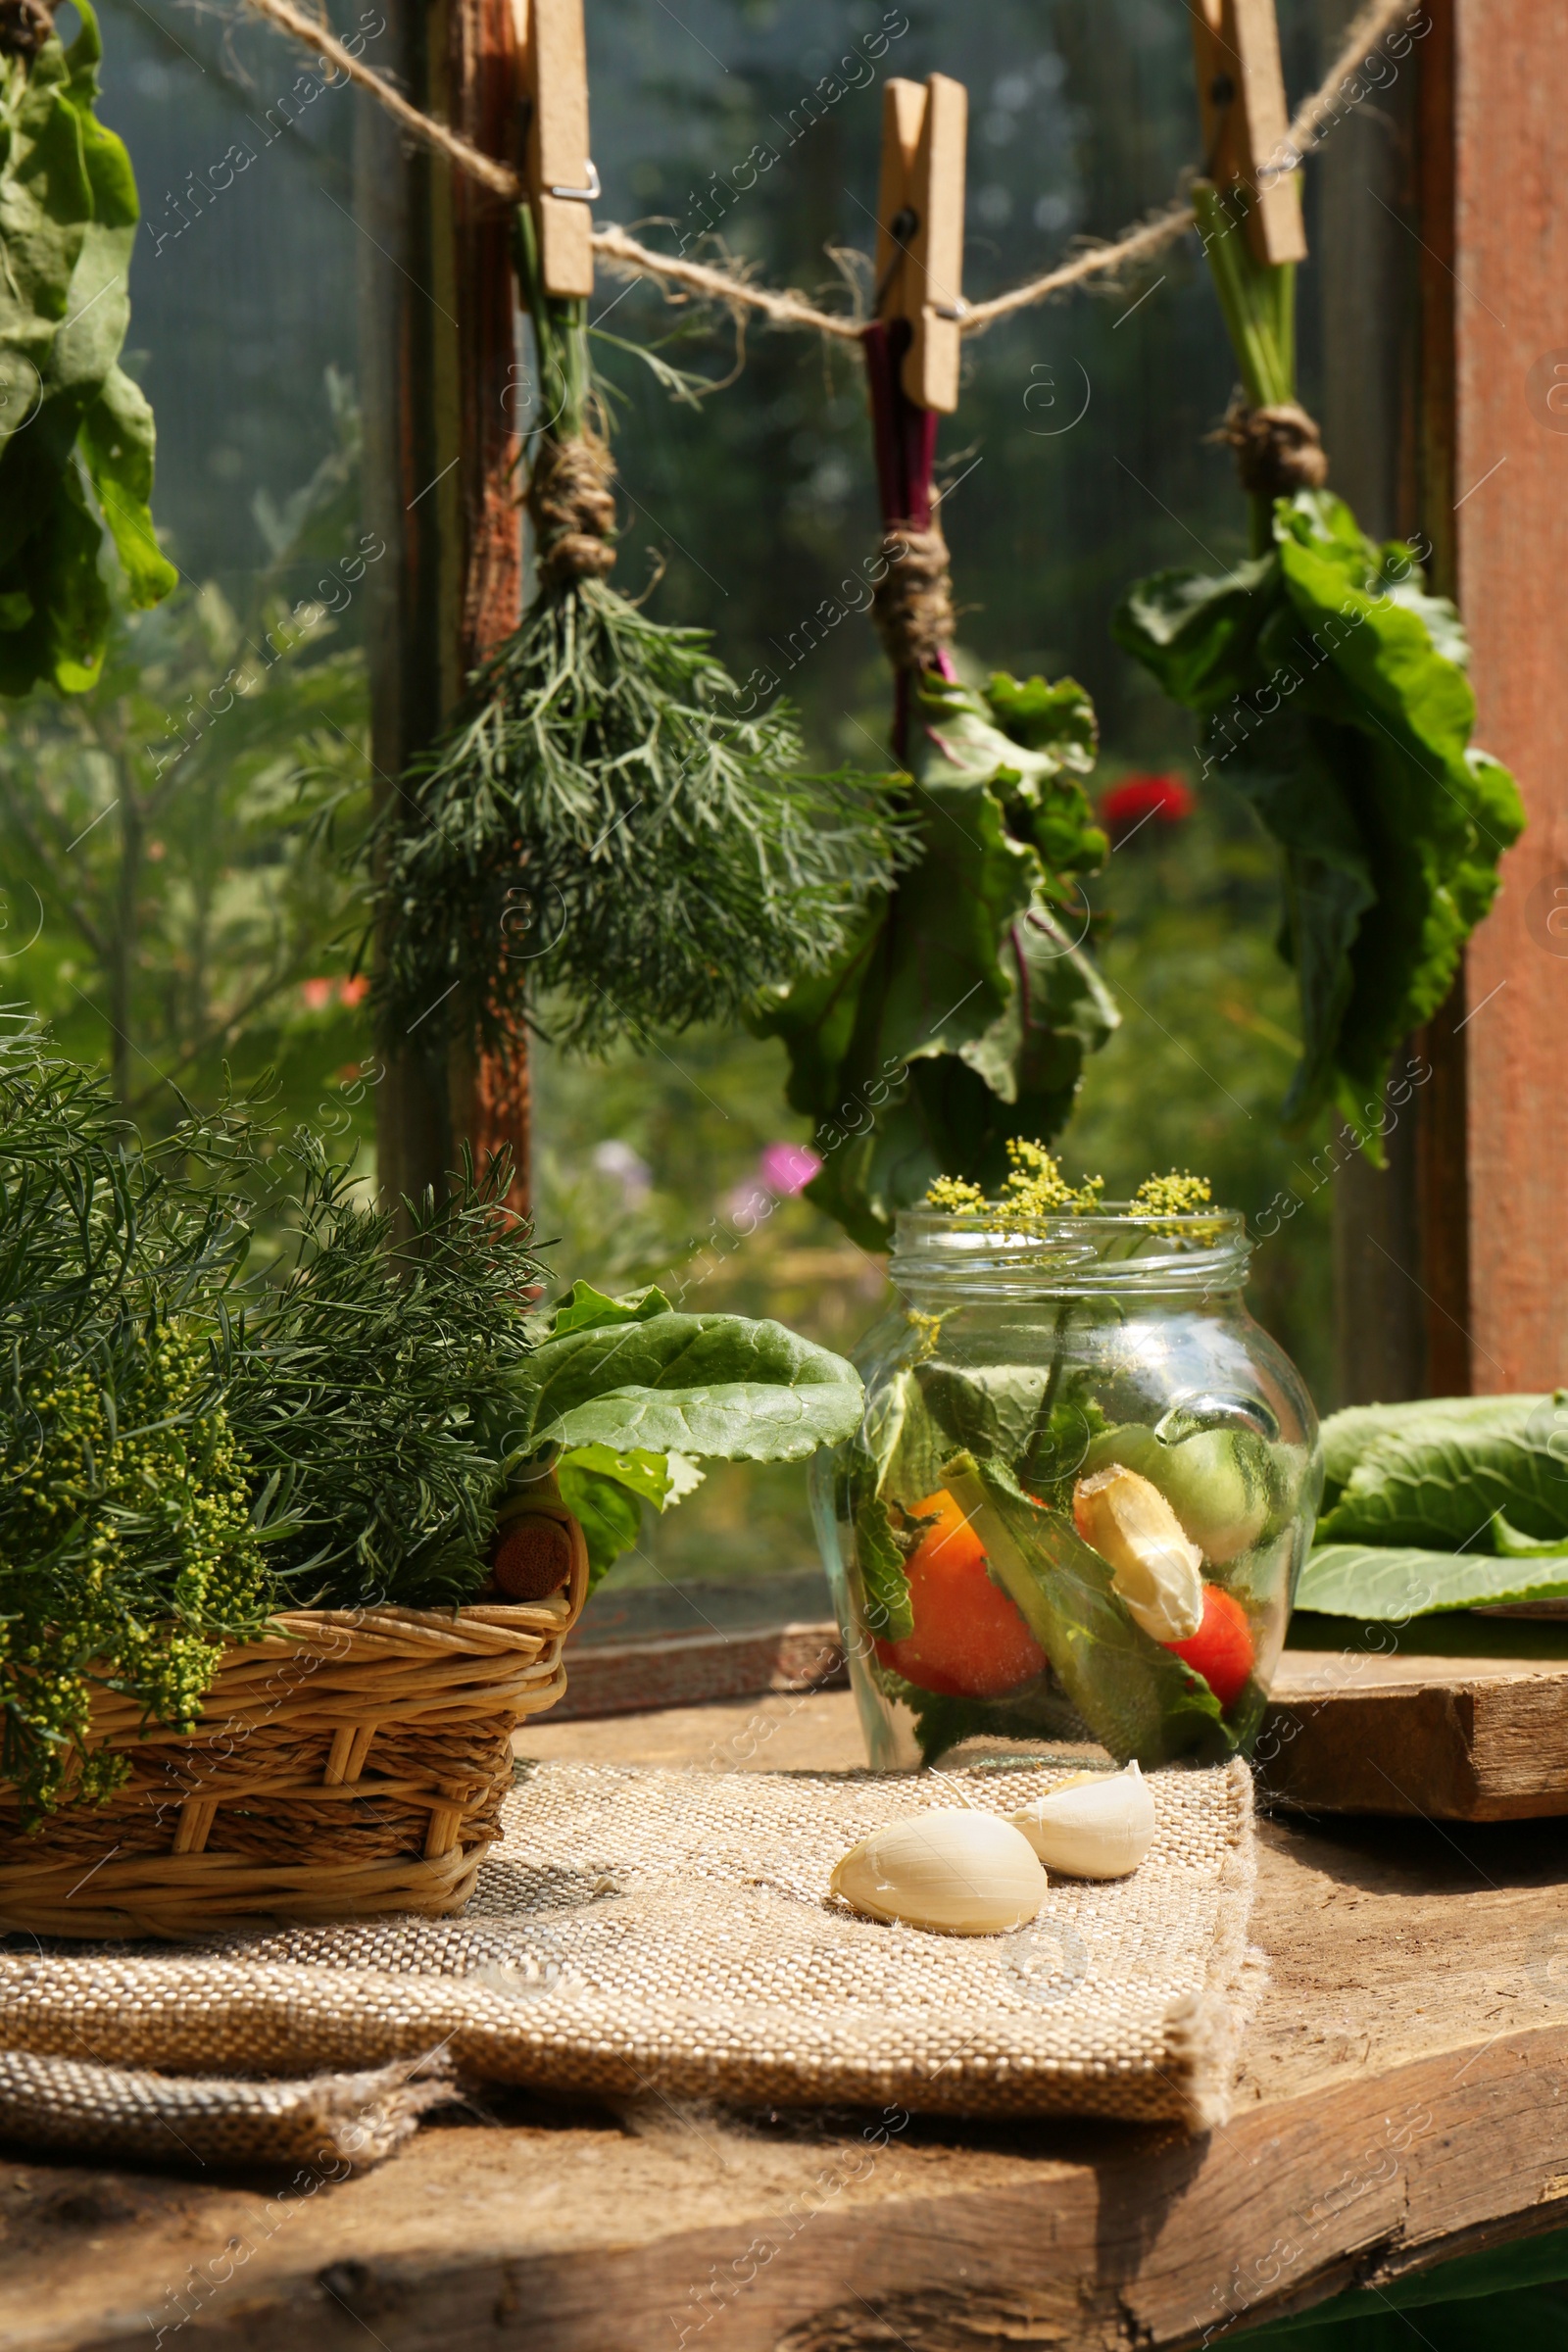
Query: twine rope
x=912, y=605
x=572, y=506
x=624, y=254
x=1279, y=450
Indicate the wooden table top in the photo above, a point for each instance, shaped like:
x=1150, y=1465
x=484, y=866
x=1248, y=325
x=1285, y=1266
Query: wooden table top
x=1404, y=2098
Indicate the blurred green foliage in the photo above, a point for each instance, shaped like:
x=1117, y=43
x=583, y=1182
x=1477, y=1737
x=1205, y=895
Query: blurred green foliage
x=171, y=902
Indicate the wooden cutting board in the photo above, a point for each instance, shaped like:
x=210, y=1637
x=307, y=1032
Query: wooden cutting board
x=1458, y=1718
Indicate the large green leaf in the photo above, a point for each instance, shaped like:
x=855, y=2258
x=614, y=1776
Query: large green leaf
x=116, y=441
x=1332, y=694
x=962, y=1013
x=1478, y=1485
x=1136, y=1698
x=683, y=1383
x=586, y=1309
x=1394, y=1582
x=985, y=1410
x=1350, y=1435
x=609, y=1513
x=68, y=220
x=607, y=1491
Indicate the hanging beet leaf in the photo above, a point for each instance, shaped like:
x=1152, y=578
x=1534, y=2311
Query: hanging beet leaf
x=604, y=844
x=69, y=417
x=1333, y=696
x=961, y=1014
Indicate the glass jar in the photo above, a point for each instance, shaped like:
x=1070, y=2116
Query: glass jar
x=1081, y=1495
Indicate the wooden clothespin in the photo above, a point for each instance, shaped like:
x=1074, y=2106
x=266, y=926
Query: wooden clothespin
x=1240, y=90
x=919, y=246
x=562, y=180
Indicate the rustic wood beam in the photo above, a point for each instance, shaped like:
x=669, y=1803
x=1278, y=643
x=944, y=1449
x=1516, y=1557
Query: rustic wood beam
x=1452, y=1269
x=442, y=402
x=1509, y=528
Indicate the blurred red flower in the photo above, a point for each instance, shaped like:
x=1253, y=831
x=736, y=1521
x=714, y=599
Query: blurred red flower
x=1136, y=800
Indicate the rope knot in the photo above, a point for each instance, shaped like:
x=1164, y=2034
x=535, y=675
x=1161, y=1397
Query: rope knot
x=25, y=26
x=912, y=605
x=574, y=510
x=1279, y=450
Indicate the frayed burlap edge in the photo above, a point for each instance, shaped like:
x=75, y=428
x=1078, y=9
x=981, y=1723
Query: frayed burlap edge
x=1203, y=2032
x=339, y=2124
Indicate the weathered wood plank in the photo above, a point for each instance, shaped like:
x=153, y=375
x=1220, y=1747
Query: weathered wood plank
x=1452, y=1739
x=1405, y=2098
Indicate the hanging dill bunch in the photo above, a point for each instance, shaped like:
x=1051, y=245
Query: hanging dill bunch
x=606, y=842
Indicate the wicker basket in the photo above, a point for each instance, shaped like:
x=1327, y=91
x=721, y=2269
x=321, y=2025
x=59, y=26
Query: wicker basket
x=355, y=1763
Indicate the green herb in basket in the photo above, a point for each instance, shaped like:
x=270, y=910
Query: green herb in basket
x=187, y=1447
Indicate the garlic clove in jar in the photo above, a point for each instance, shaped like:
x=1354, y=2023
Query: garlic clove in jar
x=1154, y=1567
x=1095, y=1826
x=961, y=1873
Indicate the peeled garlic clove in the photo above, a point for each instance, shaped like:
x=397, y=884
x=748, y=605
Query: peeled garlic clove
x=1154, y=1567
x=1097, y=1825
x=961, y=1873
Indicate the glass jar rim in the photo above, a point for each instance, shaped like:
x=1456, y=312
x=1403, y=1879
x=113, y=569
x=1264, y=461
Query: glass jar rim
x=1115, y=1248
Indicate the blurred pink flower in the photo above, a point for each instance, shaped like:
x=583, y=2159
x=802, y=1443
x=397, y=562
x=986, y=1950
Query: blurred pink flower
x=318, y=993
x=355, y=991
x=788, y=1167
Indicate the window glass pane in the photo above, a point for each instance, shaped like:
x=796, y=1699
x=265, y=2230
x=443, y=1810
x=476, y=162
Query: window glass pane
x=1080, y=458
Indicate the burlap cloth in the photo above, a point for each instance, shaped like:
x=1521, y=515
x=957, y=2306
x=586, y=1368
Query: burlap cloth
x=642, y=1933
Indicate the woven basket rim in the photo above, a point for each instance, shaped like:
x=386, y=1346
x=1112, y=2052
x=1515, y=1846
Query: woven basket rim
x=481, y=1626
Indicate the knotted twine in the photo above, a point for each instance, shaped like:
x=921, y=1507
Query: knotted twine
x=573, y=508
x=1279, y=449
x=912, y=605
x=25, y=26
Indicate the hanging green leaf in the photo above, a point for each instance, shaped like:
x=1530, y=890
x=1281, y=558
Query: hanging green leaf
x=963, y=1012
x=1333, y=696
x=68, y=415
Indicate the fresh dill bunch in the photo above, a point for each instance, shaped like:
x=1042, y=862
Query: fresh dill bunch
x=606, y=842
x=185, y=1447
x=604, y=846
x=127, y=1551
x=352, y=1377
x=1034, y=1191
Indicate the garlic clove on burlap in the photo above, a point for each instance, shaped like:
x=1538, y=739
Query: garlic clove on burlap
x=1098, y=1825
x=961, y=1873
x=1154, y=1567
